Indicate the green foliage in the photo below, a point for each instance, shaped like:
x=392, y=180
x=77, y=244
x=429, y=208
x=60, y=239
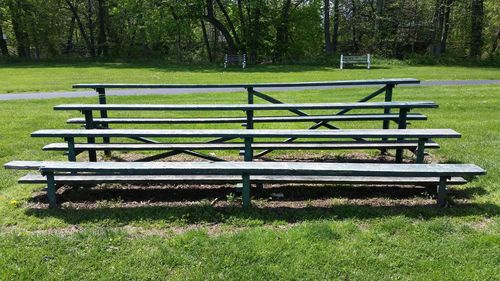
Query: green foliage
x=282, y=31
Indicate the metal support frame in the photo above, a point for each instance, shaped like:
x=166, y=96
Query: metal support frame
x=421, y=150
x=104, y=114
x=387, y=98
x=89, y=124
x=51, y=190
x=71, y=149
x=248, y=156
x=403, y=114
x=442, y=192
x=322, y=123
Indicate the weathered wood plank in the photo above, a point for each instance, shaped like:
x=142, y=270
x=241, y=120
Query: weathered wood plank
x=266, y=119
x=101, y=179
x=197, y=107
x=250, y=85
x=259, y=168
x=355, y=133
x=239, y=146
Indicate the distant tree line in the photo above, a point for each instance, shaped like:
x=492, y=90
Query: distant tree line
x=265, y=30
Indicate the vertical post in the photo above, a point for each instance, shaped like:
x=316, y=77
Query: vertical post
x=387, y=110
x=51, y=190
x=89, y=124
x=341, y=61
x=246, y=176
x=225, y=61
x=250, y=112
x=403, y=114
x=104, y=114
x=368, y=60
x=71, y=149
x=441, y=192
x=420, y=150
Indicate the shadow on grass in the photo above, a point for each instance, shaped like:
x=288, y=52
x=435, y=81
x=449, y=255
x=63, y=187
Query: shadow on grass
x=358, y=202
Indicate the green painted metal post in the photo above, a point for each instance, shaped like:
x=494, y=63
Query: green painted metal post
x=89, y=124
x=246, y=176
x=246, y=190
x=441, y=192
x=403, y=114
x=387, y=98
x=71, y=149
x=51, y=190
x=421, y=150
x=104, y=114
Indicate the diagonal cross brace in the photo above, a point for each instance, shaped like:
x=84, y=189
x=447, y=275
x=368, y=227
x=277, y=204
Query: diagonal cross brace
x=302, y=113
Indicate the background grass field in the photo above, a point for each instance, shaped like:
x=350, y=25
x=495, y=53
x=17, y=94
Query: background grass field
x=53, y=76
x=350, y=239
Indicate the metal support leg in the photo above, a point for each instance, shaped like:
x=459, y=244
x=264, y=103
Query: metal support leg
x=403, y=113
x=246, y=176
x=421, y=150
x=71, y=149
x=89, y=124
x=441, y=192
x=246, y=190
x=388, y=98
x=51, y=190
x=104, y=114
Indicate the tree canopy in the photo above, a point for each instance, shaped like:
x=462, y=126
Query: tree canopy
x=267, y=31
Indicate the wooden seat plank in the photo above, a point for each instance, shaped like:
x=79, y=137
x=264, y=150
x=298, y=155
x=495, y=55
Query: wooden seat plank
x=258, y=119
x=354, y=133
x=100, y=179
x=198, y=107
x=259, y=168
x=393, y=81
x=238, y=146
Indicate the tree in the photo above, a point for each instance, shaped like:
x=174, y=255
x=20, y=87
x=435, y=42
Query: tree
x=476, y=32
x=3, y=42
x=326, y=26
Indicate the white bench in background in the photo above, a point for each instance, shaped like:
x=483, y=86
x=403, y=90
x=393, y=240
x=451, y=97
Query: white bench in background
x=355, y=60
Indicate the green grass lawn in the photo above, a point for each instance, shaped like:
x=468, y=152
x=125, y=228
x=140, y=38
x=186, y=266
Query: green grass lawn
x=43, y=77
x=349, y=239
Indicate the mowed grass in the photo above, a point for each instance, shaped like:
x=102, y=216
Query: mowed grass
x=343, y=241
x=49, y=77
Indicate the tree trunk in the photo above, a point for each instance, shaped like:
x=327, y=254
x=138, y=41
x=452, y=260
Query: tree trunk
x=336, y=15
x=476, y=37
x=69, y=42
x=494, y=46
x=102, y=47
x=210, y=17
x=23, y=45
x=446, y=25
x=91, y=27
x=205, y=40
x=282, y=32
x=81, y=27
x=229, y=22
x=3, y=42
x=326, y=27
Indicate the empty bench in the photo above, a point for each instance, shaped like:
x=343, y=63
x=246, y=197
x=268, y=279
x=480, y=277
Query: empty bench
x=396, y=138
x=55, y=174
x=401, y=118
x=344, y=60
x=235, y=59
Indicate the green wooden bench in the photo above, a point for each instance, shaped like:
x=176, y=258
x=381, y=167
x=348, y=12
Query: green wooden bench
x=418, y=138
x=57, y=173
x=250, y=119
x=387, y=87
